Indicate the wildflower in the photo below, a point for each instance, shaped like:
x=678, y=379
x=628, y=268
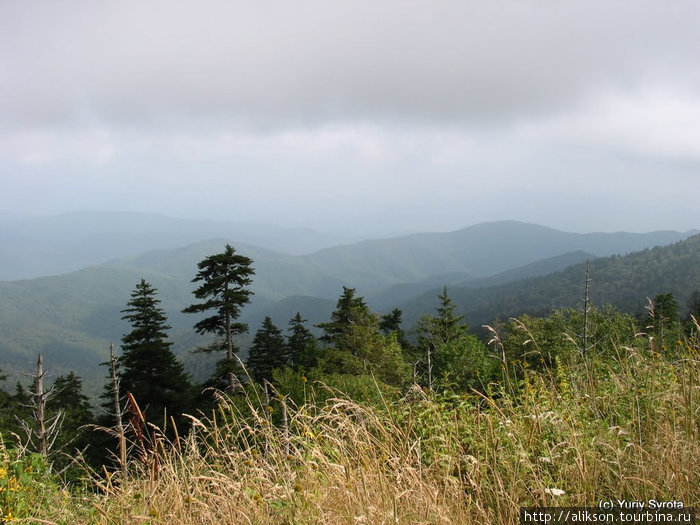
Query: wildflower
x=471, y=459
x=554, y=492
x=303, y=379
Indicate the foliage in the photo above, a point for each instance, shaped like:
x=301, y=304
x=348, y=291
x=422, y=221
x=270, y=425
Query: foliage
x=147, y=367
x=622, y=281
x=25, y=482
x=662, y=322
x=465, y=363
x=350, y=311
x=437, y=342
x=267, y=352
x=302, y=346
x=541, y=343
x=357, y=346
x=225, y=277
x=74, y=436
x=391, y=323
x=576, y=430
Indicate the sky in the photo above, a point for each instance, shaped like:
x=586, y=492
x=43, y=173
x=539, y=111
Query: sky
x=364, y=116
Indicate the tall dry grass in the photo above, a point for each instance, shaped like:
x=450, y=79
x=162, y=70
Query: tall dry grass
x=624, y=428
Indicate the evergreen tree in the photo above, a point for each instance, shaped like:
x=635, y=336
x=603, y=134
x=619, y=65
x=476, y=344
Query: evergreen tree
x=267, y=352
x=435, y=334
x=22, y=405
x=693, y=305
x=224, y=277
x=68, y=397
x=147, y=367
x=357, y=345
x=665, y=321
x=6, y=408
x=441, y=328
x=446, y=325
x=693, y=313
x=74, y=434
x=302, y=347
x=391, y=324
x=350, y=312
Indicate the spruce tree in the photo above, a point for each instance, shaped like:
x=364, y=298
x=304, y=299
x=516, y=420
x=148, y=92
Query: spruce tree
x=147, y=367
x=224, y=278
x=267, y=352
x=74, y=433
x=69, y=398
x=391, y=324
x=357, y=346
x=436, y=334
x=302, y=347
x=350, y=312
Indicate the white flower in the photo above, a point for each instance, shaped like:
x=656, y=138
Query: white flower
x=555, y=492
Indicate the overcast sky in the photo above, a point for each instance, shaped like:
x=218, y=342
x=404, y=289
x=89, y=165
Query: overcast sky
x=374, y=115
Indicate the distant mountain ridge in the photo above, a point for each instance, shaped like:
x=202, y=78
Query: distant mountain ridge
x=625, y=282
x=33, y=247
x=71, y=318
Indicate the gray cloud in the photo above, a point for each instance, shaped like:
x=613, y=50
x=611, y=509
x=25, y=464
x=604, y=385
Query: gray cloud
x=441, y=112
x=315, y=61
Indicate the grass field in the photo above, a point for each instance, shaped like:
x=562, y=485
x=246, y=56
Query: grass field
x=626, y=427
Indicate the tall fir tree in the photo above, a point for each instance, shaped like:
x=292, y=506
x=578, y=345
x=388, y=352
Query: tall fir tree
x=356, y=344
x=442, y=327
x=74, y=434
x=302, y=347
x=436, y=335
x=350, y=312
x=147, y=367
x=391, y=324
x=267, y=352
x=665, y=321
x=693, y=304
x=224, y=279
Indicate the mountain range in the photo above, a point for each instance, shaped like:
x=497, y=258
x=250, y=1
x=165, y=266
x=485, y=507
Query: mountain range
x=492, y=269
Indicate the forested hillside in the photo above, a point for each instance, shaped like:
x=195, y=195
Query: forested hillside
x=72, y=318
x=622, y=281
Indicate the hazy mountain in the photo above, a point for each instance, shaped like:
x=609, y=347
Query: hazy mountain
x=38, y=246
x=71, y=318
x=622, y=281
x=387, y=298
x=481, y=250
x=536, y=269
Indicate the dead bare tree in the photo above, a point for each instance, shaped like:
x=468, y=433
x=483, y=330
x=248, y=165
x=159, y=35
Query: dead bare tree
x=117, y=409
x=42, y=435
x=586, y=309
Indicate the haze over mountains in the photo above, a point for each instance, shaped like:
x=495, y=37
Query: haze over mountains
x=491, y=268
x=33, y=246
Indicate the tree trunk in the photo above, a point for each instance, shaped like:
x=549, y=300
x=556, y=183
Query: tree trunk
x=584, y=349
x=117, y=409
x=39, y=406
